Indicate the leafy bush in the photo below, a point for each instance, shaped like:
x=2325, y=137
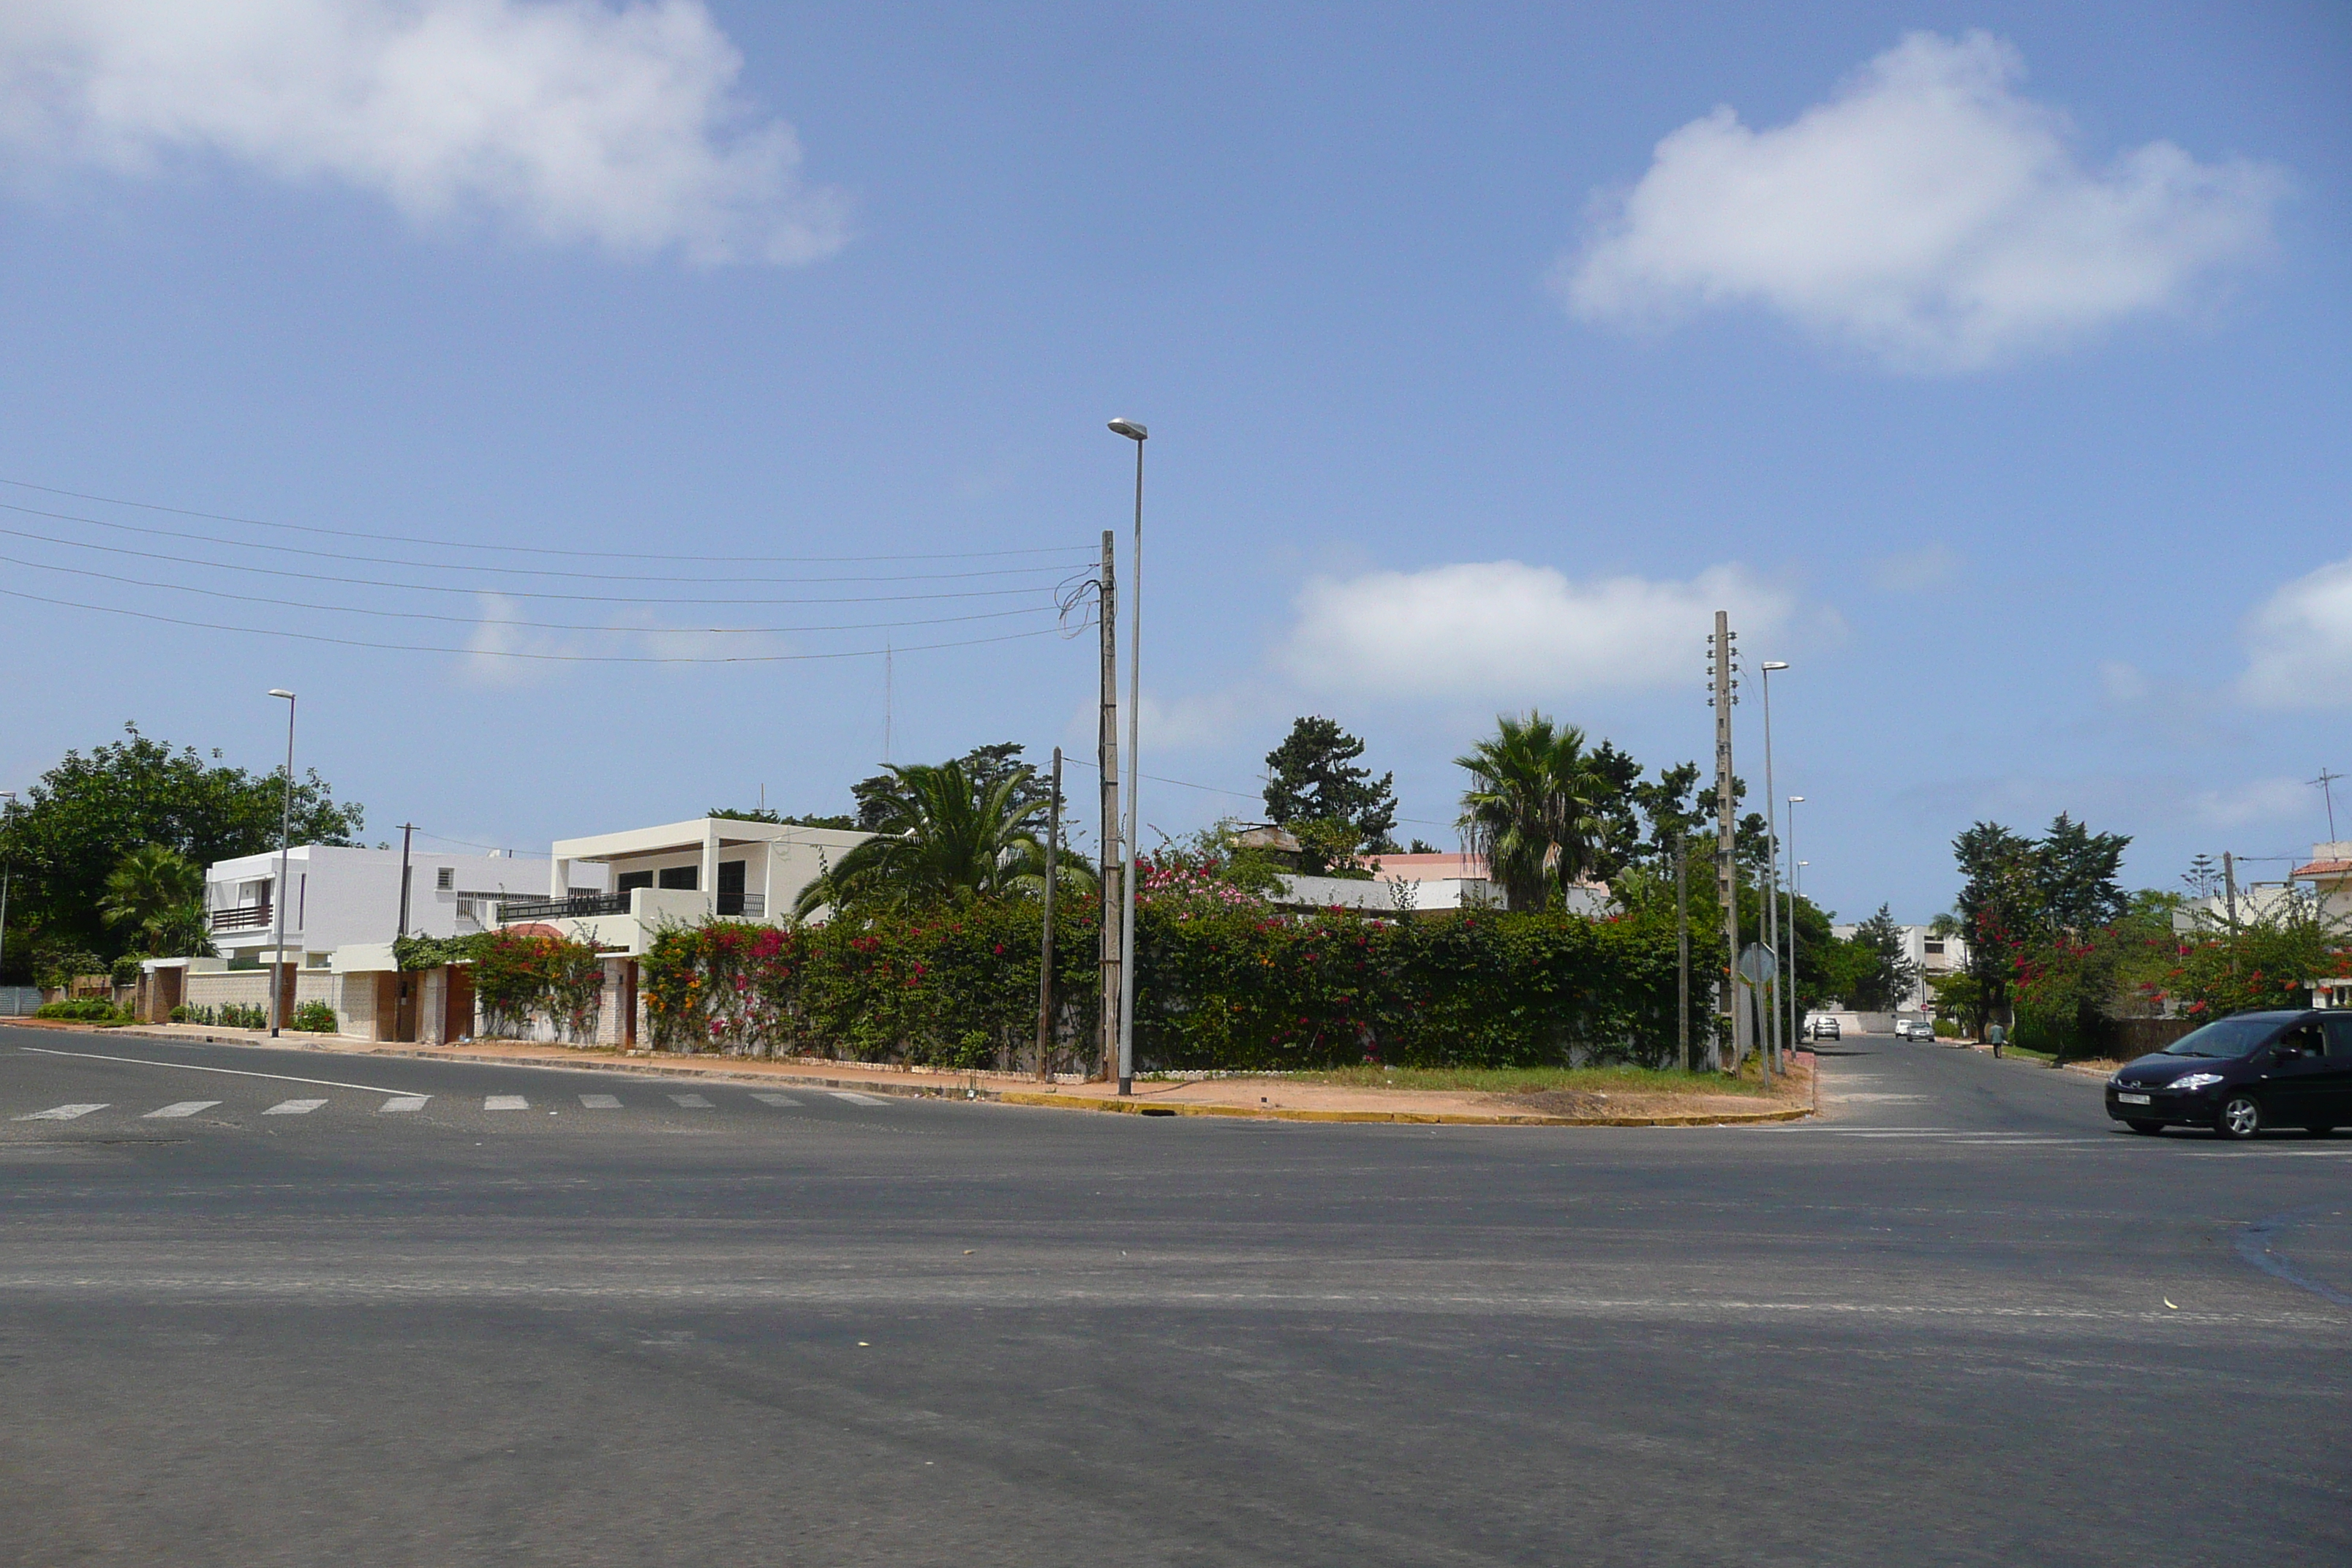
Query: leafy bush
x=518, y=977
x=83, y=1010
x=227, y=1016
x=314, y=1018
x=1221, y=983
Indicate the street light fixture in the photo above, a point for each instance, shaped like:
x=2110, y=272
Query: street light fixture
x=277, y=895
x=1772, y=856
x=1139, y=435
x=1794, y=801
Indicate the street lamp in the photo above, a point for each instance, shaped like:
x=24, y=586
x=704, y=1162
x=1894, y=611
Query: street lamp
x=1772, y=854
x=1139, y=435
x=1794, y=801
x=285, y=848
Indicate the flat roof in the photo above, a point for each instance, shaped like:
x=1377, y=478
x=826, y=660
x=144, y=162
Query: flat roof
x=691, y=834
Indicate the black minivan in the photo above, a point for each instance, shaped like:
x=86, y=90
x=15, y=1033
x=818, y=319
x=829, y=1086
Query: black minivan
x=2242, y=1074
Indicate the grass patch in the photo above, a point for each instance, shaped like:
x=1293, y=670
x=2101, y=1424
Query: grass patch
x=1539, y=1081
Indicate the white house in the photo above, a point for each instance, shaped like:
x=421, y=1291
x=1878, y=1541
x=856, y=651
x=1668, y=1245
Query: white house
x=1933, y=956
x=336, y=897
x=681, y=873
x=1417, y=882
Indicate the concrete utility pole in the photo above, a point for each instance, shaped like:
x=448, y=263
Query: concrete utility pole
x=407, y=831
x=1045, y=961
x=1114, y=901
x=1726, y=823
x=1137, y=434
x=2230, y=894
x=1681, y=949
x=278, y=894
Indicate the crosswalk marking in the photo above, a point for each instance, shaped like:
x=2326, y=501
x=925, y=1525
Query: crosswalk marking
x=182, y=1108
x=853, y=1097
x=775, y=1100
x=294, y=1108
x=691, y=1101
x=505, y=1103
x=62, y=1112
x=601, y=1101
x=399, y=1103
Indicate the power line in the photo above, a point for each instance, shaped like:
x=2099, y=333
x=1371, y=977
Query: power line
x=514, y=593
x=1074, y=560
x=1237, y=794
x=522, y=549
x=544, y=657
x=493, y=621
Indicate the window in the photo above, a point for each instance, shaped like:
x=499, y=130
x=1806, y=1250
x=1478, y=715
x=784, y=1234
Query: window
x=685, y=876
x=2340, y=1035
x=730, y=887
x=1935, y=947
x=445, y=879
x=634, y=880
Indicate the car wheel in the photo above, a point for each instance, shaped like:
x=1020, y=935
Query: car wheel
x=2240, y=1117
x=2139, y=1126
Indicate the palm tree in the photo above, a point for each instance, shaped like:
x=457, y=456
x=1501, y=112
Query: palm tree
x=1532, y=808
x=946, y=834
x=159, y=895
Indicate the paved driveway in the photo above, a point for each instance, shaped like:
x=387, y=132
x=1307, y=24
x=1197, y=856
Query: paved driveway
x=274, y=1307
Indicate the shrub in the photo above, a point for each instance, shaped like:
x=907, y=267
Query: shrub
x=184, y=1014
x=1222, y=982
x=520, y=977
x=314, y=1018
x=83, y=1010
x=227, y=1016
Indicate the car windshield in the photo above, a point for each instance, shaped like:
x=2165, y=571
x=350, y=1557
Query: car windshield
x=2235, y=1036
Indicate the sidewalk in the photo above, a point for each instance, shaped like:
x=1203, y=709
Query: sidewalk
x=1271, y=1098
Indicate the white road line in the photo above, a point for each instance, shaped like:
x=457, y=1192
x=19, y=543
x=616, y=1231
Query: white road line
x=62, y=1112
x=505, y=1103
x=601, y=1101
x=853, y=1097
x=691, y=1101
x=400, y=1102
x=182, y=1108
x=191, y=1066
x=294, y=1108
x=775, y=1100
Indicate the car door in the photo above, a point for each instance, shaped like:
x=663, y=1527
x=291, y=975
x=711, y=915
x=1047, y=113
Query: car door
x=2336, y=1079
x=2294, y=1082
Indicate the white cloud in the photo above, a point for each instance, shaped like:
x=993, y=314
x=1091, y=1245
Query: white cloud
x=2124, y=683
x=2299, y=643
x=1506, y=632
x=1928, y=213
x=2262, y=803
x=562, y=120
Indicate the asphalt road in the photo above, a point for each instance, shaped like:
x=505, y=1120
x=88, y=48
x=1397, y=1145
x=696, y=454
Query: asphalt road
x=1960, y=1318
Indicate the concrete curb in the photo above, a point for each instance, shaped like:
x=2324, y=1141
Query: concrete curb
x=967, y=1089
x=1416, y=1118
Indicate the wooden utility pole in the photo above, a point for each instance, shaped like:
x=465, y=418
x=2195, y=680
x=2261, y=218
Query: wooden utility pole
x=1681, y=949
x=1045, y=942
x=1727, y=879
x=1114, y=891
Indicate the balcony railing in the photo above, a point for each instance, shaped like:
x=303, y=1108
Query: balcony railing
x=576, y=907
x=248, y=917
x=748, y=906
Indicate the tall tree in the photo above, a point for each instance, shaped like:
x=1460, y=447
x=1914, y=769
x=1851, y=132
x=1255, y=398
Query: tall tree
x=2074, y=872
x=1531, y=808
x=1313, y=782
x=76, y=824
x=884, y=796
x=1999, y=904
x=156, y=896
x=1885, y=973
x=948, y=833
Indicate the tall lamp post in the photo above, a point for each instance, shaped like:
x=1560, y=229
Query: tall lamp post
x=278, y=894
x=1794, y=801
x=1772, y=856
x=1139, y=435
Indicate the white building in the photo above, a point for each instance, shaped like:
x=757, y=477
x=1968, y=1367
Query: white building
x=1932, y=956
x=336, y=897
x=682, y=873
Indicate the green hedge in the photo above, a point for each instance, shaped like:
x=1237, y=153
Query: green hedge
x=1221, y=983
x=82, y=1010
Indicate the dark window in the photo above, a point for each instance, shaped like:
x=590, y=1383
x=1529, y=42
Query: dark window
x=2339, y=1035
x=634, y=880
x=685, y=876
x=730, y=887
x=445, y=879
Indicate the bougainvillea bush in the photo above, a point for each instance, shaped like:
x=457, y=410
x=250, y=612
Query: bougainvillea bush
x=520, y=976
x=1222, y=983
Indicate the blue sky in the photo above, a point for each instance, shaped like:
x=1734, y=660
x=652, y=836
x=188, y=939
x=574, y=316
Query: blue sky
x=1989, y=363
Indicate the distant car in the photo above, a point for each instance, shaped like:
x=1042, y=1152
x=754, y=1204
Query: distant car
x=1915, y=1029
x=2243, y=1074
x=1826, y=1029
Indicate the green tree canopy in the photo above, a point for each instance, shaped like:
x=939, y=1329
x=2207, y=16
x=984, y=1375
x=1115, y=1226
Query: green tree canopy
x=1533, y=806
x=156, y=896
x=946, y=833
x=1313, y=778
x=77, y=823
x=885, y=796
